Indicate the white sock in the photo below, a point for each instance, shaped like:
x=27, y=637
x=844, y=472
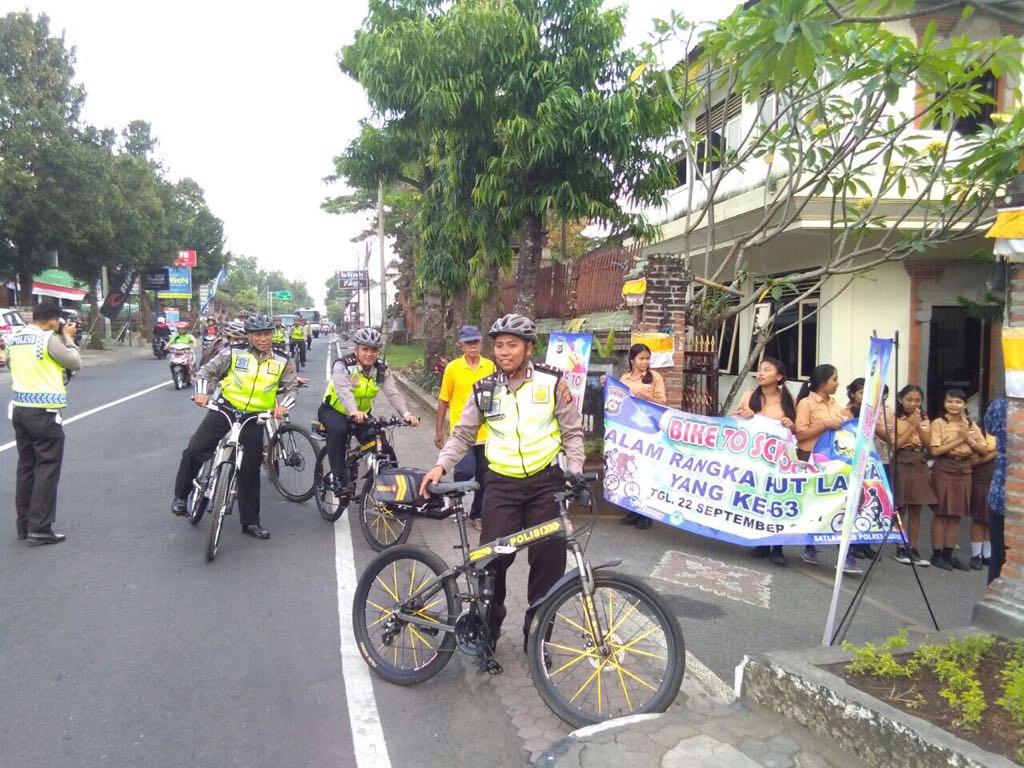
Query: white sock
x=986, y=548
x=975, y=549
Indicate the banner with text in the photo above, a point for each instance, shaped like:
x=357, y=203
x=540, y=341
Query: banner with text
x=570, y=352
x=211, y=291
x=735, y=479
x=179, y=284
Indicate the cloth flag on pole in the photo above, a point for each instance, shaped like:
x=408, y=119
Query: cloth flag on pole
x=879, y=355
x=662, y=346
x=120, y=288
x=214, y=285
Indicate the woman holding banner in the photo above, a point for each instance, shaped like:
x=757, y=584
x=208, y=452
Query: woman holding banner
x=817, y=412
x=646, y=385
x=772, y=399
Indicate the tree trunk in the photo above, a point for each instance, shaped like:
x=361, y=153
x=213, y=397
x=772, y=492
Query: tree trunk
x=530, y=244
x=25, y=292
x=145, y=326
x=433, y=328
x=764, y=335
x=460, y=310
x=490, y=306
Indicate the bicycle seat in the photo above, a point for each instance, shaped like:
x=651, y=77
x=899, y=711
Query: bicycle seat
x=454, y=489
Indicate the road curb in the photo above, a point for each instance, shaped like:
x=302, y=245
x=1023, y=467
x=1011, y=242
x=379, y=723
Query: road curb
x=424, y=400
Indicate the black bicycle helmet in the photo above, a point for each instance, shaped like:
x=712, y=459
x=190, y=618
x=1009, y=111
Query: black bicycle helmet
x=368, y=337
x=515, y=325
x=255, y=323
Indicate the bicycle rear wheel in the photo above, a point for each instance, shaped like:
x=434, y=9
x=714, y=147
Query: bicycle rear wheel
x=223, y=500
x=381, y=527
x=327, y=503
x=197, y=499
x=400, y=580
x=290, y=460
x=636, y=668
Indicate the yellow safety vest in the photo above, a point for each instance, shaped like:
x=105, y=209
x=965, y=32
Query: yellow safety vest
x=297, y=332
x=277, y=336
x=37, y=379
x=250, y=385
x=365, y=388
x=523, y=436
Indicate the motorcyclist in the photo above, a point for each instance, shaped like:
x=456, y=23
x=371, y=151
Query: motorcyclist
x=249, y=381
x=162, y=329
x=182, y=336
x=211, y=327
x=355, y=382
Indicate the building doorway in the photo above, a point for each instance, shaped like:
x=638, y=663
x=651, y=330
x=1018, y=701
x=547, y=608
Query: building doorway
x=958, y=358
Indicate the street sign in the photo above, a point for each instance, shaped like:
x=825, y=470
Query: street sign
x=355, y=278
x=156, y=280
x=283, y=295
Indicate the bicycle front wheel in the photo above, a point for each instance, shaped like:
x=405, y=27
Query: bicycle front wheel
x=327, y=503
x=223, y=500
x=404, y=580
x=634, y=666
x=382, y=528
x=197, y=499
x=290, y=461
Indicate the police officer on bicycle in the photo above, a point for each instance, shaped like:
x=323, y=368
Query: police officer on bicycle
x=249, y=381
x=355, y=382
x=531, y=419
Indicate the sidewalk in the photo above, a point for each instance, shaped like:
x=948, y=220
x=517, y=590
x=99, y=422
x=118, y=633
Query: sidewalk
x=695, y=736
x=116, y=354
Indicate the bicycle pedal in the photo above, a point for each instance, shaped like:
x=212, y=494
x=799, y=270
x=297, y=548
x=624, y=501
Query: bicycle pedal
x=491, y=666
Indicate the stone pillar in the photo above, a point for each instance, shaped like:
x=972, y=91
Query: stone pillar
x=664, y=311
x=1001, y=609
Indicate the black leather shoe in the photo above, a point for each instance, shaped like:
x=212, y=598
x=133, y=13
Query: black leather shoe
x=631, y=519
x=179, y=508
x=644, y=523
x=22, y=531
x=38, y=539
x=256, y=531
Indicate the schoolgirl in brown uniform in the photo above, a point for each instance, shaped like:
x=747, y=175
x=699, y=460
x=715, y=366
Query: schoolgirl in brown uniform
x=913, y=478
x=769, y=398
x=982, y=469
x=955, y=440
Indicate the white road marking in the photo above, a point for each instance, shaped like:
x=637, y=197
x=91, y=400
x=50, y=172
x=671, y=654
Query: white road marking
x=367, y=733
x=73, y=419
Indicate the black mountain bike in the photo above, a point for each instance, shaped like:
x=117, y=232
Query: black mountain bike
x=382, y=527
x=602, y=644
x=290, y=459
x=214, y=490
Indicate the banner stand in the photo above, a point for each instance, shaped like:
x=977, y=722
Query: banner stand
x=851, y=610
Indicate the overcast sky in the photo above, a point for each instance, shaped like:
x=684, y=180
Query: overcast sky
x=248, y=102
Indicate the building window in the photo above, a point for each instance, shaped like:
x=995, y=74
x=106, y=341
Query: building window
x=728, y=346
x=795, y=343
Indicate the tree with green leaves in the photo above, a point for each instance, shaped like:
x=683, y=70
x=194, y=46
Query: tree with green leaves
x=878, y=134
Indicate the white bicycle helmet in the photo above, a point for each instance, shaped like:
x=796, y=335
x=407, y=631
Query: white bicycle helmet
x=235, y=328
x=515, y=325
x=367, y=337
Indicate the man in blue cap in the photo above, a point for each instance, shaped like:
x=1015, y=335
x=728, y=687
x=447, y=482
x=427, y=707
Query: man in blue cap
x=456, y=387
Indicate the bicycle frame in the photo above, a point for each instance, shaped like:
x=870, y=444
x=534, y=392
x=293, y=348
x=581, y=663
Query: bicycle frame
x=475, y=562
x=230, y=446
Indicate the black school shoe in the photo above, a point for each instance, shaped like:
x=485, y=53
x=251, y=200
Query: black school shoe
x=39, y=539
x=940, y=562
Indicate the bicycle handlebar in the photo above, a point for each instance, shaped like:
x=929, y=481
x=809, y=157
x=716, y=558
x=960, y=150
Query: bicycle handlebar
x=233, y=415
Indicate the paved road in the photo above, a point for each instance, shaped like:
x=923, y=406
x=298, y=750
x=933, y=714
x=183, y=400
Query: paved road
x=123, y=647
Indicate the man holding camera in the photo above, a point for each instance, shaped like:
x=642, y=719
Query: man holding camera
x=38, y=356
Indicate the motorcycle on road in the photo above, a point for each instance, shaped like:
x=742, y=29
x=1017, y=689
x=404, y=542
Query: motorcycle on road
x=159, y=347
x=182, y=360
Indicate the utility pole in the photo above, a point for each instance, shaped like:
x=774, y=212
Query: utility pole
x=383, y=268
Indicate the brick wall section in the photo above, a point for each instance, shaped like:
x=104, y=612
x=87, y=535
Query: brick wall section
x=1015, y=448
x=664, y=309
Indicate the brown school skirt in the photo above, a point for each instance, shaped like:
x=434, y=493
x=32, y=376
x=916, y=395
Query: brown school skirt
x=951, y=480
x=981, y=479
x=913, y=480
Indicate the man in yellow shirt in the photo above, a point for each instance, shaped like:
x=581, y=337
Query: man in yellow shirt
x=456, y=387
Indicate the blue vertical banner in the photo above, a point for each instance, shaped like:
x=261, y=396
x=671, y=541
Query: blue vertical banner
x=214, y=285
x=879, y=355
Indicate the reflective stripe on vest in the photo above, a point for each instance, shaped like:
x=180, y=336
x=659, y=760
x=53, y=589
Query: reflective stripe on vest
x=364, y=388
x=37, y=379
x=523, y=435
x=250, y=385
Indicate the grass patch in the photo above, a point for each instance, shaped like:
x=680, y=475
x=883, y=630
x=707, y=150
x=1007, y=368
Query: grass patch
x=400, y=355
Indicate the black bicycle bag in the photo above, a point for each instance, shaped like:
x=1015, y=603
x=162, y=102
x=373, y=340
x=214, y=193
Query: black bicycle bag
x=398, y=489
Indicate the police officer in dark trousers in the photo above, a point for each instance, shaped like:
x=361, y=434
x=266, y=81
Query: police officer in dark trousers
x=531, y=419
x=37, y=356
x=249, y=380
